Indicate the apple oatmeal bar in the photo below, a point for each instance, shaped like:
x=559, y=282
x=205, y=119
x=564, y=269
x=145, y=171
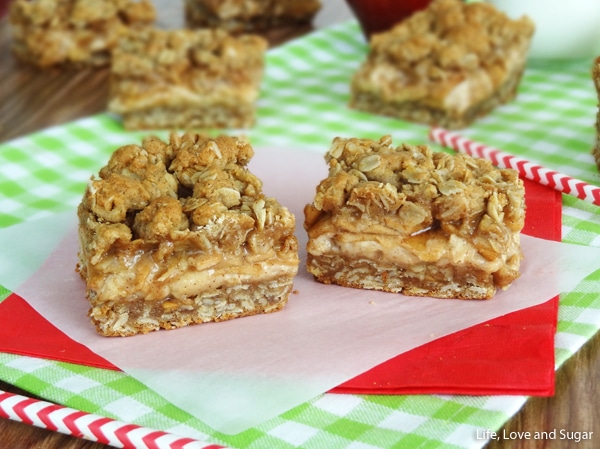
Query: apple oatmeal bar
x=250, y=15
x=178, y=233
x=446, y=65
x=75, y=33
x=188, y=79
x=411, y=220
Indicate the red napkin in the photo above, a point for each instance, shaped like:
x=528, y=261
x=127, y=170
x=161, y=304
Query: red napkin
x=512, y=354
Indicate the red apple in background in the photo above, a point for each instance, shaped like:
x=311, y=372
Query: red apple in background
x=379, y=15
x=4, y=7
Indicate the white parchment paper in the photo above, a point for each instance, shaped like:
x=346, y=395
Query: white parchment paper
x=236, y=374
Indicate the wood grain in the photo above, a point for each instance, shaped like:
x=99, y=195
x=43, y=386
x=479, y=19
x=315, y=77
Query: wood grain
x=16, y=435
x=31, y=100
x=574, y=407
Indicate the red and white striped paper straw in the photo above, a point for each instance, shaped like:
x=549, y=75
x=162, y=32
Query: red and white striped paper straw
x=91, y=427
x=526, y=169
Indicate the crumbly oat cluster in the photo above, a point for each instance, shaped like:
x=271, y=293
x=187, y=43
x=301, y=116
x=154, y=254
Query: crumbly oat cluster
x=596, y=80
x=74, y=32
x=250, y=15
x=446, y=65
x=178, y=233
x=186, y=79
x=407, y=219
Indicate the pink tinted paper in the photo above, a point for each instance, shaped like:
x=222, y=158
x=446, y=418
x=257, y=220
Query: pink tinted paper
x=237, y=374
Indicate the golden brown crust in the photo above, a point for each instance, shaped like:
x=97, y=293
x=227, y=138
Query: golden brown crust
x=445, y=65
x=249, y=15
x=74, y=32
x=186, y=79
x=180, y=232
x=408, y=219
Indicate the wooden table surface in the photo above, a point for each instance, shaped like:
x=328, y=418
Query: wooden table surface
x=31, y=100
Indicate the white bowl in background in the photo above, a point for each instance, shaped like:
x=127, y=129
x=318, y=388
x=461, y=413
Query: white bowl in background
x=565, y=29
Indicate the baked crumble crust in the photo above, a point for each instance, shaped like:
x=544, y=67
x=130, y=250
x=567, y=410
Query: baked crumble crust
x=407, y=219
x=596, y=80
x=186, y=79
x=250, y=15
x=446, y=65
x=75, y=33
x=178, y=233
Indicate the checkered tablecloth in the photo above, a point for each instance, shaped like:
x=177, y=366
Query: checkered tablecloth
x=303, y=104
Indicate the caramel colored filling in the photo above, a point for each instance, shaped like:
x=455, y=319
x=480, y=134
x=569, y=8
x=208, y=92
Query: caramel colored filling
x=128, y=275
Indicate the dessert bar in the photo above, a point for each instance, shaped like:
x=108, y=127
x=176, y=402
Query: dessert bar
x=77, y=33
x=446, y=65
x=178, y=233
x=186, y=79
x=250, y=15
x=410, y=220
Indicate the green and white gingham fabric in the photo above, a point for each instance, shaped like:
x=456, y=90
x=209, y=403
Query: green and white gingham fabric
x=303, y=105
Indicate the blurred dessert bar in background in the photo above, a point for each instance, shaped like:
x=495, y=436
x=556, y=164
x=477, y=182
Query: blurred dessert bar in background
x=409, y=220
x=180, y=232
x=446, y=65
x=250, y=15
x=186, y=79
x=77, y=33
